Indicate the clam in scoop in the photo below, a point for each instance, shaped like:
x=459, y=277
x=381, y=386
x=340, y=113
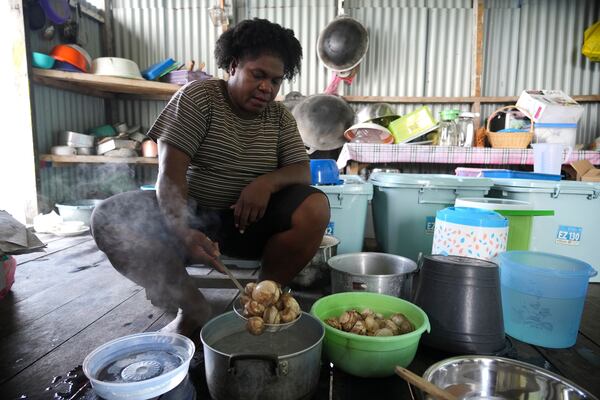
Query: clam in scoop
x=266, y=308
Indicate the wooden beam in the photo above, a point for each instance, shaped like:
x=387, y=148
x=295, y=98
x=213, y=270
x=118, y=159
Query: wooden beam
x=477, y=57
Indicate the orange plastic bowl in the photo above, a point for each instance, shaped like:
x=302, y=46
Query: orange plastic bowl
x=68, y=54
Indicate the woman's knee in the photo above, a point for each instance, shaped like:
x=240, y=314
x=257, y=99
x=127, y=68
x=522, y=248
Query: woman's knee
x=313, y=212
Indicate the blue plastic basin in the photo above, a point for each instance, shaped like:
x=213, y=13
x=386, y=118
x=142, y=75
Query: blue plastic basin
x=543, y=296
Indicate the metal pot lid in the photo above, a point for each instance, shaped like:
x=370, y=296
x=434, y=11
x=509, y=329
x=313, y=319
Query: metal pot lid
x=322, y=120
x=342, y=44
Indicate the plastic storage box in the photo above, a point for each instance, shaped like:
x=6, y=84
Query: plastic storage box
x=405, y=206
x=348, y=203
x=574, y=229
x=556, y=133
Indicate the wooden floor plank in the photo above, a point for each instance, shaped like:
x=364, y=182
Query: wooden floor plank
x=52, y=247
x=43, y=274
x=590, y=323
x=579, y=363
x=17, y=316
x=134, y=315
x=24, y=347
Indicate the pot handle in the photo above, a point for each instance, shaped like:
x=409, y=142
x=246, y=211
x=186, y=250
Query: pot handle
x=278, y=368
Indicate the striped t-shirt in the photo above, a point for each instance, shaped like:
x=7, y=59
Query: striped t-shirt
x=227, y=151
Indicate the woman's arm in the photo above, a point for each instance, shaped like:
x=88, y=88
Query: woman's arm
x=172, y=194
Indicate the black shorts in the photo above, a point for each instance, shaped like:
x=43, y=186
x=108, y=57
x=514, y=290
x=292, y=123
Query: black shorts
x=219, y=225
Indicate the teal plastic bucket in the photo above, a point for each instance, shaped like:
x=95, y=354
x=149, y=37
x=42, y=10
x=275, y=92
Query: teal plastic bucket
x=348, y=203
x=405, y=206
x=543, y=296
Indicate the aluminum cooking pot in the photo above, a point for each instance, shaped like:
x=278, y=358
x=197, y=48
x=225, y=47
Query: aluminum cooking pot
x=342, y=44
x=322, y=120
x=272, y=366
x=372, y=272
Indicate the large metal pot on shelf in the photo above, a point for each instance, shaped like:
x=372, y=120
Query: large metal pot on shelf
x=275, y=365
x=322, y=120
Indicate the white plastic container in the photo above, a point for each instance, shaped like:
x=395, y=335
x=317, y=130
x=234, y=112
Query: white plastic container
x=405, y=207
x=556, y=133
x=348, y=203
x=139, y=366
x=574, y=229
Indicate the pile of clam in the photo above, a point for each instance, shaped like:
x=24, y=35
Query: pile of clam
x=370, y=323
x=265, y=304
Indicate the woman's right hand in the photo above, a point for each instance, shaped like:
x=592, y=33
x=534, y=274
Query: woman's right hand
x=200, y=249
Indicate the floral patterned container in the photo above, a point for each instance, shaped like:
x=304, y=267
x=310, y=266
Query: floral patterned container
x=469, y=232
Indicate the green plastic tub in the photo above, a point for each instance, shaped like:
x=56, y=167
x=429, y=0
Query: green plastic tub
x=369, y=356
x=519, y=214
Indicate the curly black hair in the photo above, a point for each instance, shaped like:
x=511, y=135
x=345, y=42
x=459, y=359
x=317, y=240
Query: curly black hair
x=254, y=37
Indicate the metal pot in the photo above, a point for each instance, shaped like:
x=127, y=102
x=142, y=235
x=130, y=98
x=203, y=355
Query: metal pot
x=372, y=272
x=342, y=44
x=279, y=365
x=322, y=120
x=316, y=272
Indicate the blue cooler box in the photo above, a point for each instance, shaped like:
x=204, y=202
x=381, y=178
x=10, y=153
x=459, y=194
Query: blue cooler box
x=348, y=203
x=405, y=206
x=574, y=230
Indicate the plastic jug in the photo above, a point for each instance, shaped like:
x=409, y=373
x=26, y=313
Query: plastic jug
x=548, y=157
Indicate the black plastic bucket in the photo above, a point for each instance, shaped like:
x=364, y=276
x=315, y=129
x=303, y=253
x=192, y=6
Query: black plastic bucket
x=461, y=297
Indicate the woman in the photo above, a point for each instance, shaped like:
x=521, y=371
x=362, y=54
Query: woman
x=233, y=177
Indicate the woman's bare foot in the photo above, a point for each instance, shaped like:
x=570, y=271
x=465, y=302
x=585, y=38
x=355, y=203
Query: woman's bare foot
x=186, y=324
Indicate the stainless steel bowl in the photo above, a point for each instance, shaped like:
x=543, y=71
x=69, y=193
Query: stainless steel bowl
x=380, y=113
x=479, y=377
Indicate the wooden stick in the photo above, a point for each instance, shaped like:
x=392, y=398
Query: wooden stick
x=424, y=385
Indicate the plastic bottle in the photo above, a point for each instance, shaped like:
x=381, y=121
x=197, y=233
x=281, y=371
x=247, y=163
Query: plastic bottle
x=448, y=132
x=466, y=128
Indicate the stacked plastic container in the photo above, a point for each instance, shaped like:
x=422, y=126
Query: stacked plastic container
x=348, y=202
x=405, y=207
x=574, y=229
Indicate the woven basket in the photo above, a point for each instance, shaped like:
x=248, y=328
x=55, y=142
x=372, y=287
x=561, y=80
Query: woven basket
x=509, y=140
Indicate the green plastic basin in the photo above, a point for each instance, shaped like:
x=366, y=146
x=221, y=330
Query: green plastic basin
x=369, y=356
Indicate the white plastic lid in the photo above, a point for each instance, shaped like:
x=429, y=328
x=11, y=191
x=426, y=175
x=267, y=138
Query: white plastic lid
x=390, y=179
x=492, y=204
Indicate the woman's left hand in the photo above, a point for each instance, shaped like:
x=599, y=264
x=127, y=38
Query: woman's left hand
x=252, y=203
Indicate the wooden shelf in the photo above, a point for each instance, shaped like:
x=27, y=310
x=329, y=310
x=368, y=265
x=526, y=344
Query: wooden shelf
x=109, y=87
x=103, y=86
x=60, y=160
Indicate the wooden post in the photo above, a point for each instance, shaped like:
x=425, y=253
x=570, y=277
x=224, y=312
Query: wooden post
x=108, y=50
x=18, y=155
x=477, y=56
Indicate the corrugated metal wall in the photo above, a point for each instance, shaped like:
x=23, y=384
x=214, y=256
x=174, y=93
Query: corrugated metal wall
x=536, y=44
x=417, y=48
